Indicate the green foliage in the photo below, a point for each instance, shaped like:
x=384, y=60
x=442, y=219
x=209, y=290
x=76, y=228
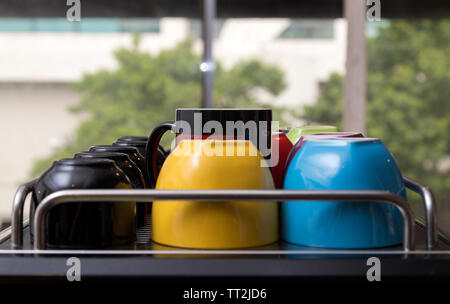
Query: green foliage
x=408, y=99
x=328, y=108
x=146, y=89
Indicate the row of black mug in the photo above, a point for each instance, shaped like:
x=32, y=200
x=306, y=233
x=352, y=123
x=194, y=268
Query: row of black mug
x=98, y=224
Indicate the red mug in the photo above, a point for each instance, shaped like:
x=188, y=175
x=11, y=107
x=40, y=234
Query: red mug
x=281, y=146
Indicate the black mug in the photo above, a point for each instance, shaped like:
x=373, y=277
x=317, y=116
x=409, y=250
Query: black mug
x=132, y=153
x=122, y=161
x=138, y=143
x=143, y=209
x=132, y=138
x=87, y=224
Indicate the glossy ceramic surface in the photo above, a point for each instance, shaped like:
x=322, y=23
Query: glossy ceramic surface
x=160, y=154
x=86, y=225
x=302, y=140
x=214, y=225
x=281, y=146
x=294, y=134
x=140, y=145
x=122, y=161
x=132, y=171
x=132, y=153
x=343, y=164
x=132, y=138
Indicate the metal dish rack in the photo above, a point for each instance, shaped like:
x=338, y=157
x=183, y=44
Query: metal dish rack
x=428, y=252
x=423, y=252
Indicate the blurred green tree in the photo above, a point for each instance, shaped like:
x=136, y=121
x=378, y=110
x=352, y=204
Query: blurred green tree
x=146, y=89
x=408, y=99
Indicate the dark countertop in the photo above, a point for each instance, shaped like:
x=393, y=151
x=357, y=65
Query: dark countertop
x=142, y=264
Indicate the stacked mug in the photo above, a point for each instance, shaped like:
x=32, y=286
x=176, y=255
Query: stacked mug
x=85, y=225
x=214, y=149
x=341, y=161
x=95, y=225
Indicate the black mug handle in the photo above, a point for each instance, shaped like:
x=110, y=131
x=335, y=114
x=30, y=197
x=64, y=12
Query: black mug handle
x=151, y=150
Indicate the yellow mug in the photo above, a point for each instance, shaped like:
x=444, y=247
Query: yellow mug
x=207, y=164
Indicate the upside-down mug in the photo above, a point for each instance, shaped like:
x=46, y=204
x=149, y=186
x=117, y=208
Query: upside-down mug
x=143, y=209
x=140, y=143
x=132, y=153
x=343, y=164
x=206, y=164
x=281, y=147
x=122, y=161
x=303, y=139
x=87, y=224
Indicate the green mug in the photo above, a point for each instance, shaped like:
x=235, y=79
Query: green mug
x=295, y=133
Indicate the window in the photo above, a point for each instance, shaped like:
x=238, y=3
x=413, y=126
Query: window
x=143, y=25
x=308, y=29
x=196, y=28
x=373, y=28
x=93, y=25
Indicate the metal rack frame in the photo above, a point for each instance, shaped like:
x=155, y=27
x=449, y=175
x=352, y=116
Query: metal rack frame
x=362, y=196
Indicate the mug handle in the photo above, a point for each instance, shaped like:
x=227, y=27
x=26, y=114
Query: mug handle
x=151, y=150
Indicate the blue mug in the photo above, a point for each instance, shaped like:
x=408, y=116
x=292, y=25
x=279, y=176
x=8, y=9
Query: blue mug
x=343, y=164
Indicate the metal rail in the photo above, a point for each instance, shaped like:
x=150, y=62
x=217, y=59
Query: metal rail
x=424, y=191
x=361, y=196
x=5, y=234
x=430, y=210
x=17, y=214
x=283, y=252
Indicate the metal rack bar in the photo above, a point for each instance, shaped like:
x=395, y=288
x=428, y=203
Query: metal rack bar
x=225, y=252
x=430, y=209
x=17, y=213
x=5, y=234
x=423, y=190
x=361, y=196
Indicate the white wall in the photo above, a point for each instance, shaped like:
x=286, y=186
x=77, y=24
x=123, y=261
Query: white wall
x=64, y=57
x=34, y=119
x=305, y=62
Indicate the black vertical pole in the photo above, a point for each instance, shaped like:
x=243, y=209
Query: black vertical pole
x=207, y=66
